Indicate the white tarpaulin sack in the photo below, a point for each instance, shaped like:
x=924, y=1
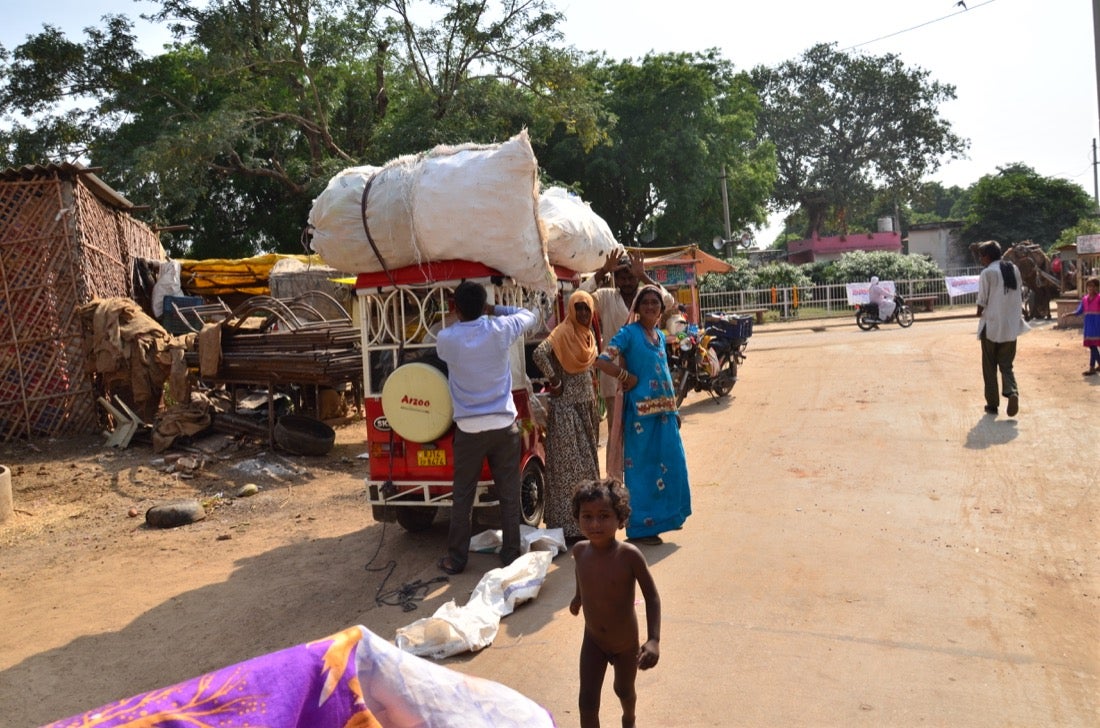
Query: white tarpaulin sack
x=168, y=284
x=453, y=629
x=470, y=202
x=576, y=237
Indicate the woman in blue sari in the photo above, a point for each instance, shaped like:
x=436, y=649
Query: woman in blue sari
x=653, y=464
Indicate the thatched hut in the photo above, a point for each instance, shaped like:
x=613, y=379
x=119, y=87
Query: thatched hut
x=65, y=239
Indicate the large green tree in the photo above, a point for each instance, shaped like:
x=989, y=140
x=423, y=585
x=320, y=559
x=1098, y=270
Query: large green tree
x=1018, y=204
x=845, y=125
x=679, y=118
x=241, y=122
x=932, y=202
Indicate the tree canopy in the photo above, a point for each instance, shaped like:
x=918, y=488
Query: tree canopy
x=1018, y=204
x=844, y=125
x=932, y=202
x=1086, y=226
x=679, y=118
x=243, y=120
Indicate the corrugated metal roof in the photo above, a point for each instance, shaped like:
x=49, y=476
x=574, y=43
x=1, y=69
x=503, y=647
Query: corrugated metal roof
x=66, y=170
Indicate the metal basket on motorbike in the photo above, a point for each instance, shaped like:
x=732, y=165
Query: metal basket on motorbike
x=729, y=325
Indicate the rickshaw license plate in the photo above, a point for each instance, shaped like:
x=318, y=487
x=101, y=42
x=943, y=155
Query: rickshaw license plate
x=425, y=458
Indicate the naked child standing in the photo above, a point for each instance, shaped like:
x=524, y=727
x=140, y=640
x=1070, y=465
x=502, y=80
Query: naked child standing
x=607, y=571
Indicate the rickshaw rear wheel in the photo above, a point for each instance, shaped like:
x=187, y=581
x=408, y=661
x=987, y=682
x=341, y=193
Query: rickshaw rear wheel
x=415, y=518
x=532, y=498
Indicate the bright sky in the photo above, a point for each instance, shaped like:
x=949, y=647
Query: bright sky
x=1024, y=70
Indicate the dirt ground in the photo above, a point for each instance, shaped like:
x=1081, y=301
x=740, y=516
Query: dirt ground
x=867, y=549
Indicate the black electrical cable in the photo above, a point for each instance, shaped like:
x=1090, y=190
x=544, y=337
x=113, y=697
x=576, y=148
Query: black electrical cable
x=408, y=595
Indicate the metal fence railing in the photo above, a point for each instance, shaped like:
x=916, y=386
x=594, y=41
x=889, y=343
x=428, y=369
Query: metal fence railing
x=823, y=300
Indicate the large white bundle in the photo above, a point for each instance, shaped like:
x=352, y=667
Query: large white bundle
x=469, y=202
x=576, y=237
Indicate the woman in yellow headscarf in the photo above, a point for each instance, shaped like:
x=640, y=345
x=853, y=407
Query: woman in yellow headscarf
x=573, y=425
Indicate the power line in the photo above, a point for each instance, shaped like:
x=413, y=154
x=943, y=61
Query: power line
x=916, y=27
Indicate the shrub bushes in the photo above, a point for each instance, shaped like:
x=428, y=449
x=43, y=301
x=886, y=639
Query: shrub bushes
x=854, y=267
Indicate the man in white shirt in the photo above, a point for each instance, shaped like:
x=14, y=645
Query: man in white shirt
x=613, y=306
x=479, y=376
x=1000, y=308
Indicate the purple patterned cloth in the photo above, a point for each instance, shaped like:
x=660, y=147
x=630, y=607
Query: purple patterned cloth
x=353, y=679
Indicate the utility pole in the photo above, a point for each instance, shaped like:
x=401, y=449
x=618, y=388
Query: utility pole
x=726, y=204
x=1095, y=186
x=1096, y=60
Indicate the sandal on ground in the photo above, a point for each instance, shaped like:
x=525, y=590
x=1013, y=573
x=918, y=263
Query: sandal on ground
x=449, y=567
x=647, y=540
x=1089, y=373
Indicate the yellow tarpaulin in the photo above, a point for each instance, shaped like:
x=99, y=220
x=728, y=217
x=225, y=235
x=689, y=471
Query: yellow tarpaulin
x=222, y=276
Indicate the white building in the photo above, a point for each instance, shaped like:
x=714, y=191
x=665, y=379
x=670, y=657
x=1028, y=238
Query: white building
x=940, y=242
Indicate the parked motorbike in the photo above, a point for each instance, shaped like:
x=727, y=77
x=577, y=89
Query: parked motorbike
x=707, y=360
x=867, y=316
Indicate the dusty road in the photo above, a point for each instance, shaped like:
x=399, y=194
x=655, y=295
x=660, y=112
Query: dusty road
x=867, y=549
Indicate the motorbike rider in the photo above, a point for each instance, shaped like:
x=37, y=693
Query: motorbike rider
x=879, y=296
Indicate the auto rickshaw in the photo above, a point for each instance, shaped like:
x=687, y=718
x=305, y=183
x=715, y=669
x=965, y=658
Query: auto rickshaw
x=409, y=414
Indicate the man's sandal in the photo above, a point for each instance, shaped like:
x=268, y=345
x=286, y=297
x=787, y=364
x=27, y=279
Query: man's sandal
x=448, y=567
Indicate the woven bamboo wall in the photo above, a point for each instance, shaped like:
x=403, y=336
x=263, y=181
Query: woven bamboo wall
x=60, y=246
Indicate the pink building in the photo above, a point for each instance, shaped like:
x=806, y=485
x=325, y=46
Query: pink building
x=832, y=247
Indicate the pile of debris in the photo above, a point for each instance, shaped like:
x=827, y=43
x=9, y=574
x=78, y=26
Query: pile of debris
x=268, y=340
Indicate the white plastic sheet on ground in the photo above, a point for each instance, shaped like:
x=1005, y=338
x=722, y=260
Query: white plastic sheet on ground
x=576, y=237
x=468, y=202
x=453, y=629
x=418, y=694
x=531, y=539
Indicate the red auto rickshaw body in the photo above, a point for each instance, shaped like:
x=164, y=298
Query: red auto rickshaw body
x=399, y=313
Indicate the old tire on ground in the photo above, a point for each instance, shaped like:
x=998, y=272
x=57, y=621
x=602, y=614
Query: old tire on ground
x=302, y=435
x=415, y=518
x=532, y=493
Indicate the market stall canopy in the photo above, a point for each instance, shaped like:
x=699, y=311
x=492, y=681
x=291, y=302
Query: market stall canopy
x=704, y=263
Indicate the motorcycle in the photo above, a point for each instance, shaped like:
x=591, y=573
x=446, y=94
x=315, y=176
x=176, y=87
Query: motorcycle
x=707, y=360
x=867, y=317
